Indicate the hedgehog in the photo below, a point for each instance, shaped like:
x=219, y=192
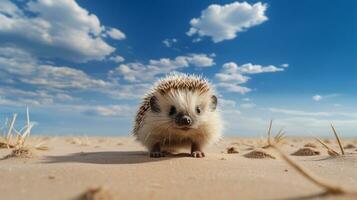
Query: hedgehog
x=179, y=112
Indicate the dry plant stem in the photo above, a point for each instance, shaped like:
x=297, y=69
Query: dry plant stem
x=269, y=132
x=338, y=139
x=280, y=136
x=330, y=188
x=8, y=137
x=28, y=120
x=327, y=147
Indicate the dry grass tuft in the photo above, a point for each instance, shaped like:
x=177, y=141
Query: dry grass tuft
x=258, y=154
x=330, y=150
x=98, y=193
x=278, y=138
x=329, y=187
x=306, y=151
x=13, y=138
x=232, y=150
x=16, y=139
x=20, y=153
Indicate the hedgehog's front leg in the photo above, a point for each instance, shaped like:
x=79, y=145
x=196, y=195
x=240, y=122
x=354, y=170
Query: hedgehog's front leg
x=155, y=151
x=196, y=151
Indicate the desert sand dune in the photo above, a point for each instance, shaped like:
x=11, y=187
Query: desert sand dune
x=122, y=167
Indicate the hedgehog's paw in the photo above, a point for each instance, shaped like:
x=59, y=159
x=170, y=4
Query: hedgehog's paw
x=198, y=154
x=157, y=154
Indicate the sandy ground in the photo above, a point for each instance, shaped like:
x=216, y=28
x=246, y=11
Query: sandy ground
x=122, y=167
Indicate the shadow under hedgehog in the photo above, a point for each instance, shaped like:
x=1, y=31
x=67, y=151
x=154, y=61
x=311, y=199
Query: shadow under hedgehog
x=179, y=112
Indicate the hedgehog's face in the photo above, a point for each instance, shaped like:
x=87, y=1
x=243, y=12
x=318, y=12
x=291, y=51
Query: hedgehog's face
x=182, y=109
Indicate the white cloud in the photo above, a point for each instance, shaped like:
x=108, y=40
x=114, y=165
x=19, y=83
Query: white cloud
x=317, y=97
x=249, y=68
x=108, y=110
x=18, y=97
x=231, y=87
x=223, y=22
x=63, y=77
x=232, y=75
x=226, y=103
x=19, y=65
x=63, y=83
x=169, y=42
x=197, y=60
x=230, y=72
x=117, y=58
x=42, y=28
x=129, y=91
x=7, y=7
x=299, y=112
x=134, y=72
x=115, y=34
x=284, y=65
x=138, y=72
x=201, y=60
x=314, y=114
x=247, y=105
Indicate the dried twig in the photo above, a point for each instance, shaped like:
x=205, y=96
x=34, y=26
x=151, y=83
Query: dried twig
x=280, y=136
x=269, y=132
x=330, y=150
x=28, y=120
x=338, y=139
x=329, y=187
x=9, y=131
x=20, y=136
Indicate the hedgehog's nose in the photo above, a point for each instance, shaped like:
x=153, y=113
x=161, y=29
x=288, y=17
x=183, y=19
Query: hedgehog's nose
x=186, y=120
x=183, y=120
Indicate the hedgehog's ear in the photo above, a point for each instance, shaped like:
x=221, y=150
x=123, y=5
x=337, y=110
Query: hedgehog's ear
x=213, y=104
x=154, y=105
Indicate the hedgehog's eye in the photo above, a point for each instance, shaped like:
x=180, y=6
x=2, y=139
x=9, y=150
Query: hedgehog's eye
x=172, y=110
x=198, y=110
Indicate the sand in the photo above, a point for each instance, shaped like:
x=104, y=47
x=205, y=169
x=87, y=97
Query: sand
x=73, y=166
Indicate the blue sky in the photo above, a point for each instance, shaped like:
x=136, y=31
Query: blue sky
x=82, y=66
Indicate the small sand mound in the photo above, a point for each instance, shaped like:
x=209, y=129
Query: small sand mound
x=3, y=145
x=312, y=145
x=98, y=193
x=232, y=150
x=42, y=148
x=349, y=146
x=258, y=154
x=306, y=152
x=20, y=153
